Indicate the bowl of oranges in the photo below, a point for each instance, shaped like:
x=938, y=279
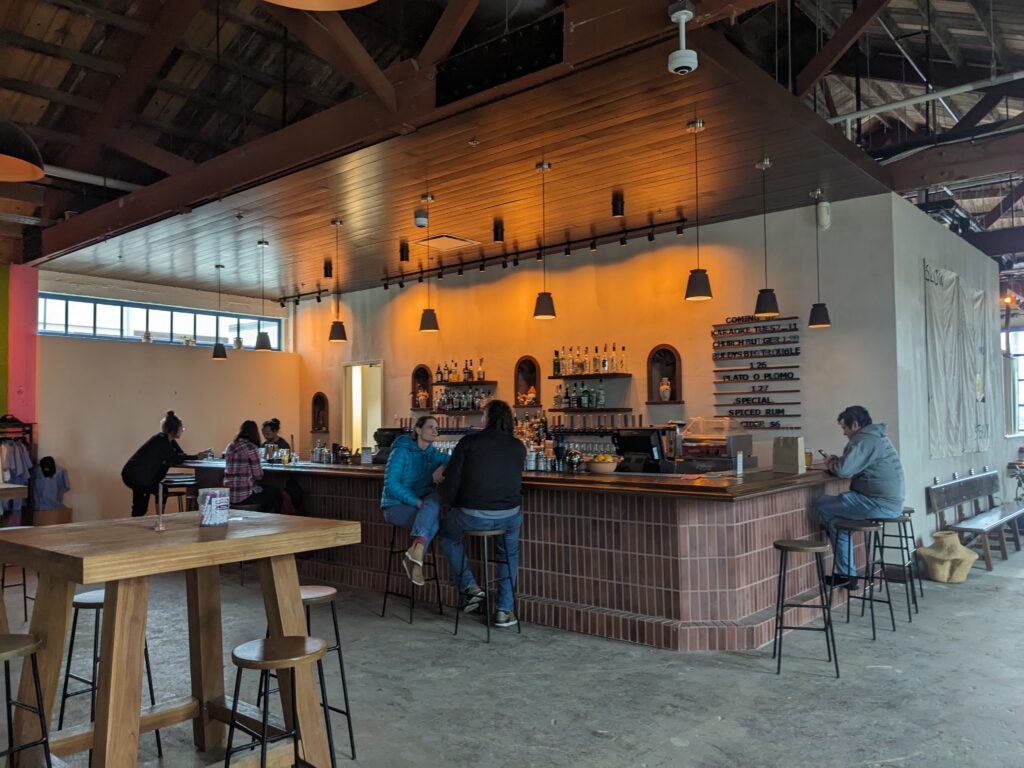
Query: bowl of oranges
x=603, y=464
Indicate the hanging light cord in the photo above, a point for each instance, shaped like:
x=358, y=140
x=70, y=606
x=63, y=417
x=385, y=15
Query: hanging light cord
x=696, y=194
x=337, y=265
x=817, y=252
x=764, y=219
x=428, y=246
x=543, y=225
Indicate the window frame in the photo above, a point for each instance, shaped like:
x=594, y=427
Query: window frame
x=232, y=318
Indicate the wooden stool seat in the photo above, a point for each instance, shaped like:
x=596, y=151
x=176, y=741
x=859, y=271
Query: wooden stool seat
x=18, y=646
x=801, y=545
x=864, y=526
x=92, y=600
x=278, y=652
x=316, y=594
x=179, y=481
x=485, y=534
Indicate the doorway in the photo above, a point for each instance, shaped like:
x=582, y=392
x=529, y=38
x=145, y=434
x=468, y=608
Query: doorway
x=364, y=404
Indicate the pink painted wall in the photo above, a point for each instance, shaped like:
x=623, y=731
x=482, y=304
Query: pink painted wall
x=21, y=334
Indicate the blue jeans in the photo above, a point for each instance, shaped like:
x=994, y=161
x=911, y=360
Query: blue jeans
x=420, y=522
x=848, y=505
x=506, y=547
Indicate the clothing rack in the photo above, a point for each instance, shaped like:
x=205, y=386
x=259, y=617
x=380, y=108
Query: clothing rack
x=12, y=428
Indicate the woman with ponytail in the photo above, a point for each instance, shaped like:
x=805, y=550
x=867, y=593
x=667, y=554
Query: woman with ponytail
x=148, y=466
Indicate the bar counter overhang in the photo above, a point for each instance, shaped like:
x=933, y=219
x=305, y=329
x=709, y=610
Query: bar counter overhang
x=682, y=564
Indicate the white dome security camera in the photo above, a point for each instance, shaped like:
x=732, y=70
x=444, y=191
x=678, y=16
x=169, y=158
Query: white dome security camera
x=682, y=61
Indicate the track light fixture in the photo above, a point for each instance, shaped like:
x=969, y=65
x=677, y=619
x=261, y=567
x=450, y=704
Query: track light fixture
x=540, y=254
x=622, y=238
x=650, y=235
x=483, y=265
x=618, y=204
x=420, y=278
x=461, y=268
x=318, y=297
x=499, y=230
x=568, y=249
x=680, y=229
x=504, y=263
x=515, y=259
x=281, y=302
x=328, y=269
x=403, y=250
x=593, y=246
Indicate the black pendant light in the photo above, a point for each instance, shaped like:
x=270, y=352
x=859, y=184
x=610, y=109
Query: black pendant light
x=262, y=337
x=219, y=350
x=544, y=307
x=19, y=157
x=698, y=286
x=767, y=305
x=428, y=318
x=819, y=312
x=337, y=326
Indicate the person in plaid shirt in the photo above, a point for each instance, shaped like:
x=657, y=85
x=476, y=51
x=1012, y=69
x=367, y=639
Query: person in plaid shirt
x=242, y=471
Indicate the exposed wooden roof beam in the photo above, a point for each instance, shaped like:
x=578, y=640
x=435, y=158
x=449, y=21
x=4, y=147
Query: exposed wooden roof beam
x=989, y=101
x=446, y=32
x=988, y=24
x=943, y=164
x=1005, y=205
x=116, y=20
x=227, y=106
x=150, y=154
x=997, y=242
x=23, y=193
x=330, y=38
x=594, y=31
x=941, y=32
x=94, y=63
x=838, y=44
x=149, y=56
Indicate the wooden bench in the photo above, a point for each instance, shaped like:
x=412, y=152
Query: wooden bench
x=972, y=500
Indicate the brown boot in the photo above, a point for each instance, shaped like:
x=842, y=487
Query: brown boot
x=413, y=570
x=415, y=553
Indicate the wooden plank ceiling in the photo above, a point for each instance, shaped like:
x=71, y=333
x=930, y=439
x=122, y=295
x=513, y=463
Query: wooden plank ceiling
x=621, y=125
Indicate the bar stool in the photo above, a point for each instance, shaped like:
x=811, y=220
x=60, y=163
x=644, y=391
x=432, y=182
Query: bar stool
x=245, y=508
x=484, y=537
x=93, y=601
x=874, y=558
x=23, y=583
x=318, y=594
x=430, y=562
x=818, y=549
x=177, y=486
x=907, y=564
x=273, y=653
x=18, y=647
x=909, y=511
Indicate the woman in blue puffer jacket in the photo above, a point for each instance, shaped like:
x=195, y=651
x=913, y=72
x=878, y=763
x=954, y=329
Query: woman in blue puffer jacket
x=409, y=499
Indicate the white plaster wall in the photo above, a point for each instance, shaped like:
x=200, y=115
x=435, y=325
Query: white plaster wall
x=100, y=400
x=633, y=295
x=917, y=238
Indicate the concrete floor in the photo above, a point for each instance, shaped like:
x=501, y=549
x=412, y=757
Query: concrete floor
x=945, y=690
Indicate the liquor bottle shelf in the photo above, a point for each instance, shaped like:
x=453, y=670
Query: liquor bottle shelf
x=667, y=402
x=455, y=413
x=590, y=410
x=594, y=376
x=474, y=383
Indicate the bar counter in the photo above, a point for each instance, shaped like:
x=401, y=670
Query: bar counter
x=676, y=562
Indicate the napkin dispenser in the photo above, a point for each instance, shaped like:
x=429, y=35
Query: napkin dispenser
x=788, y=455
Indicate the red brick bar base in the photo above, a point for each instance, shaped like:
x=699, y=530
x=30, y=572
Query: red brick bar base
x=660, y=570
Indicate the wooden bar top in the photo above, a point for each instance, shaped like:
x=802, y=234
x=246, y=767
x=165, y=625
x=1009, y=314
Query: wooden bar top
x=758, y=482
x=107, y=550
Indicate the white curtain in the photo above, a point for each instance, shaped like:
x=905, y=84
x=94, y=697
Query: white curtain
x=958, y=375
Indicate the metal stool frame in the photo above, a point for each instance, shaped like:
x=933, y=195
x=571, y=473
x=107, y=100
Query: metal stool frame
x=907, y=563
x=909, y=511
x=874, y=558
x=826, y=611
x=488, y=581
x=432, y=563
x=23, y=584
x=90, y=683
x=10, y=704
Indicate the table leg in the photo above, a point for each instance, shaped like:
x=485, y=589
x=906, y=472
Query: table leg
x=206, y=653
x=50, y=619
x=119, y=697
x=285, y=616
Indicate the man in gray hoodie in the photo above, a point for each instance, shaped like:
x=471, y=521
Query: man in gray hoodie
x=876, y=485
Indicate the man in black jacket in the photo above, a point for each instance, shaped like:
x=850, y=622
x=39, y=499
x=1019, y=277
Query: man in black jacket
x=483, y=483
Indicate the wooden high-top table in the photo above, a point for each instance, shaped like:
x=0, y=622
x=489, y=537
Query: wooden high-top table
x=122, y=555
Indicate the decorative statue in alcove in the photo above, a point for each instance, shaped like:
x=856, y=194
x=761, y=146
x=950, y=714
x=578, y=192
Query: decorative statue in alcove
x=319, y=419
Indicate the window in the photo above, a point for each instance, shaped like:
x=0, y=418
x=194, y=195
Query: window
x=1013, y=346
x=61, y=315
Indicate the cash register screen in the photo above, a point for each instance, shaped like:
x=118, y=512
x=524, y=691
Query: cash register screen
x=638, y=441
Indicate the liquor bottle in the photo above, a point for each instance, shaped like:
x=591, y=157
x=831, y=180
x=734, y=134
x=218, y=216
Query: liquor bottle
x=577, y=361
x=585, y=362
x=595, y=364
x=480, y=370
x=622, y=359
x=573, y=399
x=438, y=375
x=446, y=373
x=557, y=400
x=556, y=365
x=604, y=359
x=613, y=361
x=566, y=367
x=455, y=372
x=585, y=398
x=600, y=395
